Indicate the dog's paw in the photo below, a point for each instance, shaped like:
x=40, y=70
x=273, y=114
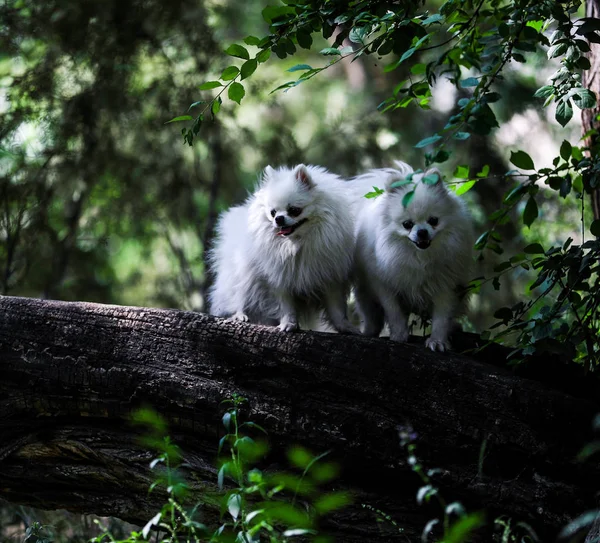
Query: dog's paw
x=400, y=337
x=288, y=326
x=437, y=344
x=239, y=316
x=346, y=327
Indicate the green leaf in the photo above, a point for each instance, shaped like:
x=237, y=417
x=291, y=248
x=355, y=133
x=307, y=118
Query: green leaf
x=236, y=92
x=408, y=198
x=589, y=24
x=469, y=82
x=264, y=55
x=238, y=51
x=330, y=51
x=248, y=68
x=484, y=171
x=304, y=39
x=180, y=118
x=330, y=502
x=431, y=179
x=210, y=85
x=376, y=192
x=400, y=183
x=251, y=40
x=461, y=136
x=216, y=106
x=565, y=150
x=435, y=18
x=230, y=73
x=564, y=112
x=234, y=505
x=534, y=249
x=544, y=92
x=530, y=213
x=428, y=141
x=595, y=228
x=407, y=54
x=522, y=160
x=584, y=98
x=299, y=67
x=504, y=313
x=462, y=172
x=465, y=187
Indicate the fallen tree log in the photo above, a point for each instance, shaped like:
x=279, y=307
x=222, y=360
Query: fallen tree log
x=71, y=373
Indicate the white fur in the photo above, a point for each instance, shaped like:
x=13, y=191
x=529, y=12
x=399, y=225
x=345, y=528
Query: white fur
x=268, y=278
x=394, y=277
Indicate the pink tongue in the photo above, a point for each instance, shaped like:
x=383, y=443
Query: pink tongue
x=285, y=231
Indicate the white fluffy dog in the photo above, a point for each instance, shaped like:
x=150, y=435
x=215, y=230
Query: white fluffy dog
x=286, y=252
x=411, y=259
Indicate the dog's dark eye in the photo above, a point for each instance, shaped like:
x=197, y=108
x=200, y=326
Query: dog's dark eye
x=294, y=211
x=433, y=221
x=408, y=224
x=273, y=212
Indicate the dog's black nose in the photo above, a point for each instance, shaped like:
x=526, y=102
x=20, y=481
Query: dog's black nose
x=280, y=220
x=421, y=234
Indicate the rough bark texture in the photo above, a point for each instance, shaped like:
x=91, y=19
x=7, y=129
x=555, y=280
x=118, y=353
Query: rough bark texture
x=591, y=80
x=71, y=373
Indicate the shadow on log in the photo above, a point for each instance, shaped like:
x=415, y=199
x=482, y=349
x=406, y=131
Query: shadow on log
x=71, y=373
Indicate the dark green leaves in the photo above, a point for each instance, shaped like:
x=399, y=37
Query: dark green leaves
x=530, y=213
x=304, y=39
x=534, y=249
x=522, y=160
x=564, y=112
x=544, y=92
x=236, y=92
x=238, y=51
x=565, y=150
x=248, y=68
x=595, y=228
x=584, y=98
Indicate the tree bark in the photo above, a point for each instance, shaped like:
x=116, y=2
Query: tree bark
x=591, y=80
x=73, y=372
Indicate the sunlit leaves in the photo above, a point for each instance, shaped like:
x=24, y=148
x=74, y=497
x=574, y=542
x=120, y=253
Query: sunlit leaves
x=210, y=85
x=229, y=73
x=236, y=92
x=238, y=51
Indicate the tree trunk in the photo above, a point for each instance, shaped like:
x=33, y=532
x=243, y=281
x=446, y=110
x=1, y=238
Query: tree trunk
x=73, y=372
x=591, y=80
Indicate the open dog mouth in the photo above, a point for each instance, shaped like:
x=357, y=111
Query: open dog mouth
x=287, y=230
x=422, y=243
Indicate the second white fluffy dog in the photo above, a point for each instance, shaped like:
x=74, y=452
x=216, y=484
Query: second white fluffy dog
x=411, y=259
x=287, y=252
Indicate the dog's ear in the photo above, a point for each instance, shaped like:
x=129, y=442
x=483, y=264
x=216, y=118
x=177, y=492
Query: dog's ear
x=302, y=176
x=268, y=172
